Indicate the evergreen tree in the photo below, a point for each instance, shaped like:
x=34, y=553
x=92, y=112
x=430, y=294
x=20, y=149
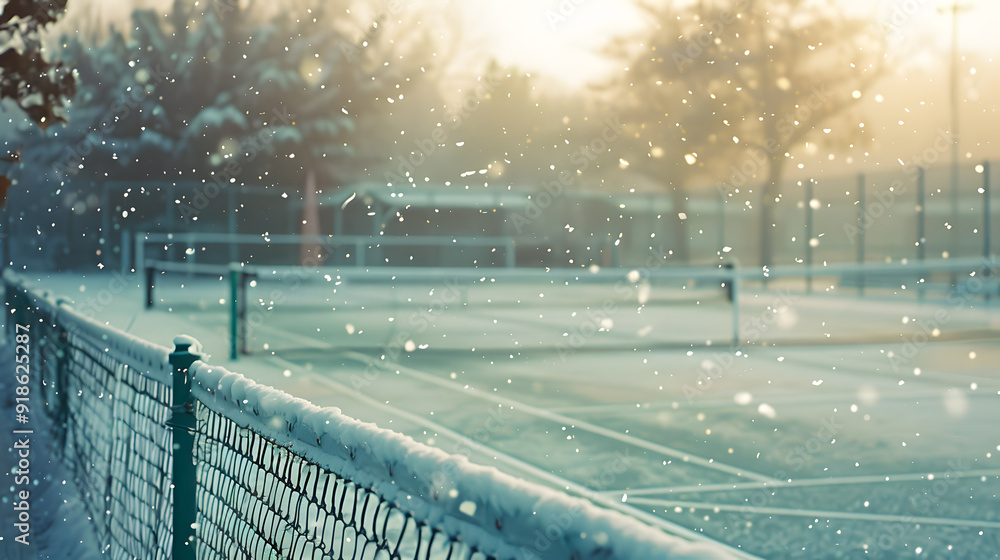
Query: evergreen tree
x=34, y=84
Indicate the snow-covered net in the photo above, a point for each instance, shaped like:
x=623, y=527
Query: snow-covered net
x=260, y=500
x=110, y=396
x=278, y=477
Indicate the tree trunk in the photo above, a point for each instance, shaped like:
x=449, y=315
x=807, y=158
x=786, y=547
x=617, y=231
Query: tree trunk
x=310, y=251
x=769, y=190
x=678, y=227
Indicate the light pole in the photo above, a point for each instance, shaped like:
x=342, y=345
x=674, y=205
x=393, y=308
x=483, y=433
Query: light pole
x=953, y=95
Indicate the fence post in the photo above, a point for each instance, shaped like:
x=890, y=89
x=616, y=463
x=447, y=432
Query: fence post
x=140, y=252
x=921, y=226
x=234, y=309
x=232, y=225
x=987, y=217
x=722, y=218
x=184, y=480
x=150, y=272
x=809, y=235
x=987, y=211
x=921, y=214
x=862, y=210
x=734, y=299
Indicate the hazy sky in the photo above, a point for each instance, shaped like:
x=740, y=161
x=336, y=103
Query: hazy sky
x=560, y=38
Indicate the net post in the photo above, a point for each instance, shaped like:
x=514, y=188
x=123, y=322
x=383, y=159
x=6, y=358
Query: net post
x=183, y=422
x=126, y=252
x=140, y=252
x=733, y=292
x=234, y=309
x=150, y=271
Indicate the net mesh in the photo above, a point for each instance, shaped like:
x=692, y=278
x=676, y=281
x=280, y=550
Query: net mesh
x=111, y=431
x=276, y=477
x=258, y=499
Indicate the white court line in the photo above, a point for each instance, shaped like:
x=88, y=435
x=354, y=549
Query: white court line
x=885, y=371
x=807, y=482
x=546, y=414
x=820, y=514
x=698, y=404
x=559, y=418
x=558, y=482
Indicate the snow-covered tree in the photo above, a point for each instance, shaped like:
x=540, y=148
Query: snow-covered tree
x=28, y=78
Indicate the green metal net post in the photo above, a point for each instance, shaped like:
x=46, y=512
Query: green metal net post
x=184, y=423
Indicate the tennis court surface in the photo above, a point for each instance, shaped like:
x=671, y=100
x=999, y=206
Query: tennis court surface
x=842, y=427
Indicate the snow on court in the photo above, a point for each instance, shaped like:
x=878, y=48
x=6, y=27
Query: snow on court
x=804, y=441
x=58, y=523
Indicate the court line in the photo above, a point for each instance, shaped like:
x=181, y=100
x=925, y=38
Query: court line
x=930, y=376
x=563, y=484
x=840, y=398
x=559, y=418
x=820, y=514
x=807, y=482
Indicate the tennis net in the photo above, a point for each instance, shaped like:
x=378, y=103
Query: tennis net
x=275, y=476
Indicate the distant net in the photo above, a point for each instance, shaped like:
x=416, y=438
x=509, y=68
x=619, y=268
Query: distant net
x=301, y=308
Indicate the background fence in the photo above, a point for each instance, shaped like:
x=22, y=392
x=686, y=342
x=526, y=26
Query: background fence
x=874, y=216
x=180, y=459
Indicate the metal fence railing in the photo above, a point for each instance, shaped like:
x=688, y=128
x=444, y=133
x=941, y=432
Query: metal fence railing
x=180, y=459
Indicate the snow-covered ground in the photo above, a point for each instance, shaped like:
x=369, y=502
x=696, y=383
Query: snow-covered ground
x=58, y=526
x=843, y=428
